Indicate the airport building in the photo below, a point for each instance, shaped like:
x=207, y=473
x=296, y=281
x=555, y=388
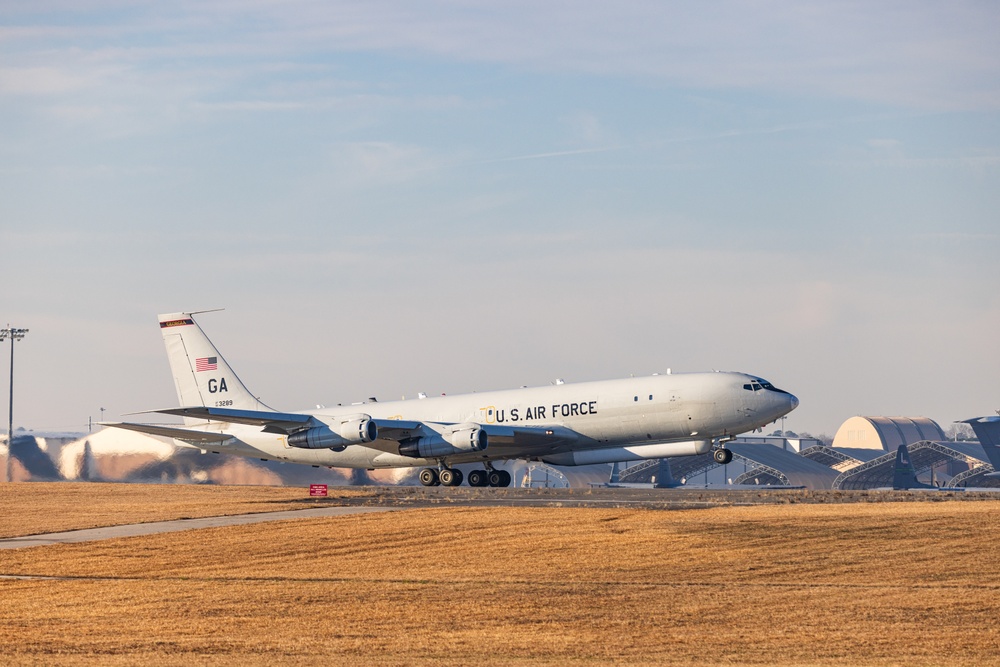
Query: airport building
x=862, y=456
x=935, y=461
x=752, y=464
x=885, y=433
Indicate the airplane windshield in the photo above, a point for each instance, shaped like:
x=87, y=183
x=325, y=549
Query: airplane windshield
x=757, y=384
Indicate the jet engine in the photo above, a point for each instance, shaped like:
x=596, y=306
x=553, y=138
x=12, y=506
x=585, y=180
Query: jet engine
x=462, y=440
x=472, y=439
x=353, y=430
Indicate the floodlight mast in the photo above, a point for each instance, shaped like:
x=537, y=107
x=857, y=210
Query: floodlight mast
x=14, y=334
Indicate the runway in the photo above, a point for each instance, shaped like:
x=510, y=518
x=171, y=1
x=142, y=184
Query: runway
x=152, y=528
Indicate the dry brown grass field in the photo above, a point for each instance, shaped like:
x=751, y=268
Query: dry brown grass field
x=881, y=584
x=31, y=508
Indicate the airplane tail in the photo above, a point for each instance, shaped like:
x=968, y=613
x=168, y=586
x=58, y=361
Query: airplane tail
x=664, y=476
x=202, y=377
x=987, y=429
x=905, y=476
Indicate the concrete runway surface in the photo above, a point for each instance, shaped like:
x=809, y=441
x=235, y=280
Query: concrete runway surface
x=136, y=529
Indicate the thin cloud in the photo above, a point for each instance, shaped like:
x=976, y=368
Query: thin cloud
x=919, y=54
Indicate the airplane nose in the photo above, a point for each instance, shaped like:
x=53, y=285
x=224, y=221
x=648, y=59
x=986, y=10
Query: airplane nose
x=794, y=401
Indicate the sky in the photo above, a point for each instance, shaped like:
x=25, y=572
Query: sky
x=391, y=197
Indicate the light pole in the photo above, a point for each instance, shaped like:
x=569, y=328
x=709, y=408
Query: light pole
x=13, y=334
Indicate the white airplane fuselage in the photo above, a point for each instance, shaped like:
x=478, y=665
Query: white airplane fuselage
x=616, y=420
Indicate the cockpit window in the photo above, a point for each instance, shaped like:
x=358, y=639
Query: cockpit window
x=759, y=383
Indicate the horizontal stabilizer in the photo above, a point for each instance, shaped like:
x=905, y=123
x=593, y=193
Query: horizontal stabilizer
x=171, y=432
x=275, y=422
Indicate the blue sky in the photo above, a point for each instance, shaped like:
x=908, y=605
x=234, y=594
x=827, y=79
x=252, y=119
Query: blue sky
x=456, y=196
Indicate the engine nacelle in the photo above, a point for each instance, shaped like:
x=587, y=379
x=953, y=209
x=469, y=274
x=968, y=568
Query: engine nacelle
x=458, y=441
x=353, y=430
x=472, y=439
x=359, y=430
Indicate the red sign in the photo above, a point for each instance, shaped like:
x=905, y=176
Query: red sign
x=317, y=490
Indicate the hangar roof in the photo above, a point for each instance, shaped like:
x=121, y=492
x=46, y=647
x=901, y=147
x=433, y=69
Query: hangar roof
x=879, y=472
x=885, y=433
x=767, y=465
x=777, y=466
x=832, y=458
x=680, y=467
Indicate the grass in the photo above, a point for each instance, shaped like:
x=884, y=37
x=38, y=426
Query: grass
x=886, y=584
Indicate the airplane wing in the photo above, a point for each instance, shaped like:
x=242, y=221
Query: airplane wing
x=171, y=432
x=523, y=439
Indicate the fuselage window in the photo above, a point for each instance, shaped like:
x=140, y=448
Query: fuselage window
x=650, y=397
x=636, y=398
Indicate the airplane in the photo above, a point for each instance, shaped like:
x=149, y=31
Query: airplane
x=904, y=476
x=987, y=430
x=675, y=414
x=663, y=479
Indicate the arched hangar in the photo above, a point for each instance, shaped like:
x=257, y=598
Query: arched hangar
x=885, y=433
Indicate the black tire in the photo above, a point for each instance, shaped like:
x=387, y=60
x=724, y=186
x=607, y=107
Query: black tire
x=447, y=477
x=505, y=478
x=478, y=478
x=495, y=477
x=429, y=477
x=459, y=477
x=722, y=456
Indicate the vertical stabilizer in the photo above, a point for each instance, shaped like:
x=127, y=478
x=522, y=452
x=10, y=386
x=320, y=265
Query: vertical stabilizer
x=988, y=431
x=664, y=476
x=202, y=377
x=905, y=476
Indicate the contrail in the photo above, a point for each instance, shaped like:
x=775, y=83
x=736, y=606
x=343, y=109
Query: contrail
x=539, y=156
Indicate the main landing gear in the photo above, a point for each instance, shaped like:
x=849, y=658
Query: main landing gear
x=444, y=477
x=489, y=478
x=453, y=477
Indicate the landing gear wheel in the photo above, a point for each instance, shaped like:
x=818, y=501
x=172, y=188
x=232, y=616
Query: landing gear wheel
x=478, y=478
x=429, y=477
x=499, y=478
x=722, y=456
x=450, y=477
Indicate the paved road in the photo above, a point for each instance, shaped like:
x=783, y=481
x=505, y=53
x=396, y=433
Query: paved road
x=136, y=529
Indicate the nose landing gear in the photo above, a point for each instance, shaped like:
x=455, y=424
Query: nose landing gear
x=722, y=456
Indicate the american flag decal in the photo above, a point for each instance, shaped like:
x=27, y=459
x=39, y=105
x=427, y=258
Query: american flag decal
x=206, y=364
